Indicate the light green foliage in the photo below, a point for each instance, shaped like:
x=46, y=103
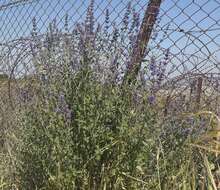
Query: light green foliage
x=76, y=130
x=113, y=140
x=98, y=148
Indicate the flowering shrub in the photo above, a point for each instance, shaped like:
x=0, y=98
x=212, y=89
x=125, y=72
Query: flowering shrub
x=82, y=129
x=89, y=137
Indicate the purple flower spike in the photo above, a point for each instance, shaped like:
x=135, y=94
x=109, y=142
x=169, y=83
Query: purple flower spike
x=63, y=108
x=151, y=99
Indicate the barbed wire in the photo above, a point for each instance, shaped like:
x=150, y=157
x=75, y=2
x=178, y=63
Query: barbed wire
x=11, y=4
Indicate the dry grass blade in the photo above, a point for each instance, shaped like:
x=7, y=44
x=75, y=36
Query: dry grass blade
x=209, y=172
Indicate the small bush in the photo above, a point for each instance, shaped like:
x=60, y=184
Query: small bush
x=85, y=135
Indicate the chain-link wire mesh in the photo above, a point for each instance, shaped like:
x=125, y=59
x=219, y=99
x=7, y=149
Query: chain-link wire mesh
x=181, y=62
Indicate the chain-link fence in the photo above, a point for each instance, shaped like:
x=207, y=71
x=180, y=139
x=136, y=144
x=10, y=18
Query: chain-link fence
x=181, y=61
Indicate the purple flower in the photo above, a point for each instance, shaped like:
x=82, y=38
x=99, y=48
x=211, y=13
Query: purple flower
x=153, y=66
x=151, y=99
x=166, y=58
x=63, y=108
x=24, y=96
x=107, y=22
x=89, y=22
x=125, y=20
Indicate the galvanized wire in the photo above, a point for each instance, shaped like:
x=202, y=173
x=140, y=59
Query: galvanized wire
x=188, y=30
